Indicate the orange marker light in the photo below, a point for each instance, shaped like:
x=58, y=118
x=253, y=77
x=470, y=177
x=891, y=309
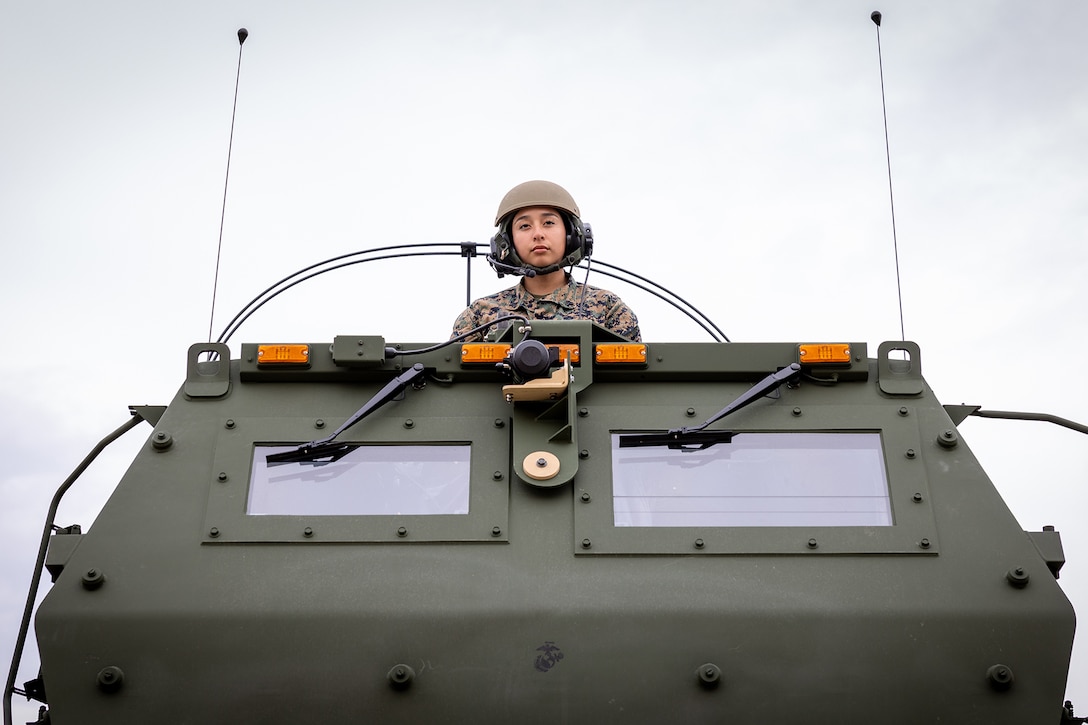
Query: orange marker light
x=814, y=354
x=483, y=352
x=283, y=354
x=620, y=353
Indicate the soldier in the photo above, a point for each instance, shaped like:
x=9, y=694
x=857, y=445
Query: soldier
x=540, y=233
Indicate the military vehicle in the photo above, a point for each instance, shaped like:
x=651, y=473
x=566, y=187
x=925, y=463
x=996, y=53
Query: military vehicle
x=554, y=526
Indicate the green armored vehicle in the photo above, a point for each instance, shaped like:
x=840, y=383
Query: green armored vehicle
x=557, y=526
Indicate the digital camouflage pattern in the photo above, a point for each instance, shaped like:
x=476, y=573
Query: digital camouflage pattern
x=566, y=303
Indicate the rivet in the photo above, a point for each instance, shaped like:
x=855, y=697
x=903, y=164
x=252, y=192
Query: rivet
x=796, y=411
x=496, y=531
x=903, y=411
x=1017, y=577
x=409, y=423
x=586, y=543
x=1000, y=677
x=307, y=532
x=709, y=675
x=583, y=412
x=924, y=543
x=911, y=453
x=812, y=544
x=230, y=423
x=400, y=677
x=948, y=438
x=917, y=498
x=402, y=532
x=690, y=412
x=319, y=423
x=223, y=476
x=92, y=579
x=110, y=679
x=213, y=532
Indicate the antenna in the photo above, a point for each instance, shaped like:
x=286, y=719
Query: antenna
x=875, y=17
x=242, y=35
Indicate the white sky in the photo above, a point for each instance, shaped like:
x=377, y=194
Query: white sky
x=733, y=152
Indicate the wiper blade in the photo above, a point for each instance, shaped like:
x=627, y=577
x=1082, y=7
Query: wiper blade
x=677, y=439
x=328, y=447
x=695, y=438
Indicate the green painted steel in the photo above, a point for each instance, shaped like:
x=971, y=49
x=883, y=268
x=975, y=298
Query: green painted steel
x=534, y=606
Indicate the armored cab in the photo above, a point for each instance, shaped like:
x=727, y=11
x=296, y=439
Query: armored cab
x=558, y=527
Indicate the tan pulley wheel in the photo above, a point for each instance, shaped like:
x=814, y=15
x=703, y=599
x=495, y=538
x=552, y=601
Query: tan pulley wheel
x=540, y=465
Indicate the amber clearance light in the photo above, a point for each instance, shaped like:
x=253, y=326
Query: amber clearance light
x=824, y=352
x=283, y=354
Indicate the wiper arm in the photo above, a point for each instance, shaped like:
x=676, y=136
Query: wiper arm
x=333, y=450
x=695, y=437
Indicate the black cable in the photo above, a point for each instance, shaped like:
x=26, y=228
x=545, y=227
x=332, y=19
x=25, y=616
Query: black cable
x=240, y=317
x=691, y=307
x=39, y=564
x=460, y=337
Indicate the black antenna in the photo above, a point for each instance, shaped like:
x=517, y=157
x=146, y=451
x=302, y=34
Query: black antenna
x=875, y=17
x=242, y=35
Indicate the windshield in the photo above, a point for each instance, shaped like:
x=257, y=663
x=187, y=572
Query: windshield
x=759, y=479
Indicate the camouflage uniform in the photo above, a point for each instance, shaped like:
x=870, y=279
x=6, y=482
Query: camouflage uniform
x=599, y=306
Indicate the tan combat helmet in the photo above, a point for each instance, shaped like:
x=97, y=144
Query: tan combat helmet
x=536, y=193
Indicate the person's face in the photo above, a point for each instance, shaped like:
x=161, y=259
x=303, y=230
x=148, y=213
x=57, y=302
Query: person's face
x=539, y=235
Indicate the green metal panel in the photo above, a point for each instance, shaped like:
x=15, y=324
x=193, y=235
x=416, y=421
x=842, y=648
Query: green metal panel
x=453, y=622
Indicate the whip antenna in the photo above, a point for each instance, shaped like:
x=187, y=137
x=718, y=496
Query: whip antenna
x=875, y=17
x=242, y=35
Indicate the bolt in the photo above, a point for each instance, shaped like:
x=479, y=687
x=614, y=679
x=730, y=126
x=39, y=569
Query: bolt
x=230, y=423
x=586, y=498
x=497, y=475
x=796, y=411
x=496, y=531
x=319, y=423
x=92, y=579
x=690, y=412
x=1017, y=577
x=222, y=476
x=904, y=411
x=307, y=532
x=812, y=543
x=500, y=423
x=911, y=453
x=924, y=543
x=541, y=462
x=110, y=679
x=586, y=543
x=1000, y=677
x=917, y=498
x=402, y=532
x=409, y=423
x=699, y=543
x=583, y=453
x=213, y=532
x=583, y=412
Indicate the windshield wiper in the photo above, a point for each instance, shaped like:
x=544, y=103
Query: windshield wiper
x=695, y=438
x=328, y=449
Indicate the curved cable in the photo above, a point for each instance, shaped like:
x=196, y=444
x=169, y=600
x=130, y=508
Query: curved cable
x=456, y=249
x=691, y=307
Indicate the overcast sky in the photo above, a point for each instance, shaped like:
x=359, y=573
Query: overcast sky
x=733, y=152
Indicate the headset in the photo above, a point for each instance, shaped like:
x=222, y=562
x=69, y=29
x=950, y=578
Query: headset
x=504, y=258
